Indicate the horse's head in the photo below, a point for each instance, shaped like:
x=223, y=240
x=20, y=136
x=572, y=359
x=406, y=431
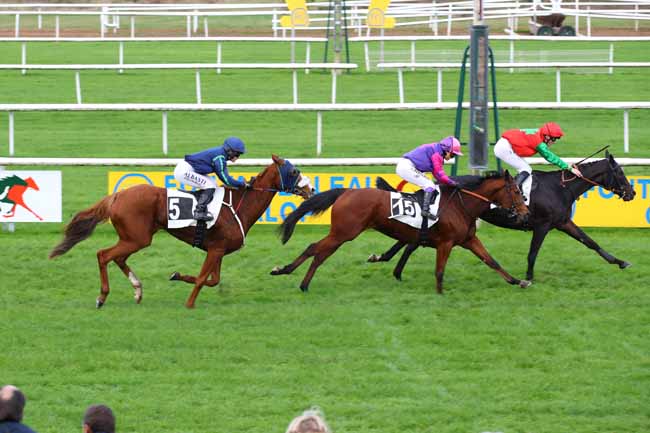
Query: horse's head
x=508, y=195
x=288, y=178
x=609, y=175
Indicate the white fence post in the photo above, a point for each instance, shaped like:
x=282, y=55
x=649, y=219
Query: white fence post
x=577, y=17
x=412, y=54
x=334, y=86
x=439, y=85
x=189, y=26
x=17, y=25
x=133, y=26
x=307, y=56
x=164, y=133
x=57, y=27
x=449, y=12
x=23, y=56
x=319, y=132
x=512, y=54
x=557, y=85
x=205, y=27
x=77, y=85
x=294, y=74
x=39, y=20
x=198, y=87
x=218, y=56
x=366, y=55
x=611, y=56
x=11, y=133
x=400, y=85
x=626, y=131
x=121, y=57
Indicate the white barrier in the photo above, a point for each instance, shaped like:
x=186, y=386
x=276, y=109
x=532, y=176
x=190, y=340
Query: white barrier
x=319, y=108
x=259, y=162
x=294, y=67
x=440, y=66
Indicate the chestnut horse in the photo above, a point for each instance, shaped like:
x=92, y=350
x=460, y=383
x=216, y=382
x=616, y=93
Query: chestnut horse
x=140, y=211
x=356, y=210
x=551, y=205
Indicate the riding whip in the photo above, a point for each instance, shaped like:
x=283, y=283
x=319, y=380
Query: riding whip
x=595, y=153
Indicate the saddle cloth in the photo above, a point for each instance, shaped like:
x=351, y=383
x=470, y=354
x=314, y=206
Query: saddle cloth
x=405, y=208
x=181, y=205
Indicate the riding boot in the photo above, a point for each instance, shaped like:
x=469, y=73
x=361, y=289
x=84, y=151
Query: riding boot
x=201, y=212
x=424, y=230
x=521, y=178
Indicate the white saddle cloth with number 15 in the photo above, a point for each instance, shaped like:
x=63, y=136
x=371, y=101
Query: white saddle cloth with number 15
x=181, y=205
x=406, y=209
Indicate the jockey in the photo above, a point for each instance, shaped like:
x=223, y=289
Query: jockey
x=517, y=143
x=194, y=170
x=428, y=157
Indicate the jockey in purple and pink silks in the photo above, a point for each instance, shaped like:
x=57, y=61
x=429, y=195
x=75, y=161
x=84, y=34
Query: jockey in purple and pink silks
x=429, y=157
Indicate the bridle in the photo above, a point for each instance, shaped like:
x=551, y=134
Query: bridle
x=619, y=190
x=290, y=178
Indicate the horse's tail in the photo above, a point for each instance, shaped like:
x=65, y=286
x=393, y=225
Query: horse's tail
x=82, y=225
x=317, y=205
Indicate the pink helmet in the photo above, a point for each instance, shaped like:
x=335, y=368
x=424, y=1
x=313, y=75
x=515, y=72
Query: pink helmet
x=451, y=144
x=551, y=129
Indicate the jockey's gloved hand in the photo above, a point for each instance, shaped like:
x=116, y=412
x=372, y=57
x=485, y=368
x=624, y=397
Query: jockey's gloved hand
x=249, y=184
x=575, y=170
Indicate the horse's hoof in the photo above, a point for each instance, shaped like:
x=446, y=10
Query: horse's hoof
x=304, y=289
x=99, y=304
x=189, y=306
x=373, y=258
x=398, y=277
x=524, y=283
x=175, y=277
x=275, y=271
x=138, y=299
x=625, y=265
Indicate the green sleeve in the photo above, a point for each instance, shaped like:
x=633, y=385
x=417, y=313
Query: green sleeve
x=546, y=153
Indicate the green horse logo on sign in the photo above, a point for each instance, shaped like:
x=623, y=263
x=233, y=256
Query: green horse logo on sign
x=12, y=189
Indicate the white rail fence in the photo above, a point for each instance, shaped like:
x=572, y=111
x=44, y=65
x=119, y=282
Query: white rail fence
x=318, y=108
x=518, y=65
x=294, y=67
x=407, y=13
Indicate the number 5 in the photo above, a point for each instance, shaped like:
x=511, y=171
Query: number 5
x=173, y=208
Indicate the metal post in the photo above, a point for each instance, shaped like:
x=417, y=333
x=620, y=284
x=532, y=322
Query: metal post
x=205, y=26
x=133, y=26
x=102, y=26
x=577, y=17
x=121, y=57
x=319, y=132
x=512, y=54
x=294, y=74
x=57, y=27
x=558, y=90
x=636, y=13
x=275, y=23
x=40, y=19
x=293, y=45
x=450, y=8
x=589, y=21
x=412, y=54
x=366, y=55
x=198, y=87
x=333, y=86
x=400, y=85
x=23, y=56
x=189, y=26
x=626, y=131
x=478, y=126
x=439, y=84
x=17, y=25
x=307, y=56
x=164, y=133
x=11, y=133
x=77, y=85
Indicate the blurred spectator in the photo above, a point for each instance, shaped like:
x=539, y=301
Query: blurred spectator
x=311, y=421
x=99, y=419
x=12, y=403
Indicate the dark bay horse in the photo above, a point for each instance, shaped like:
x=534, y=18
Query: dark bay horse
x=550, y=208
x=140, y=211
x=355, y=210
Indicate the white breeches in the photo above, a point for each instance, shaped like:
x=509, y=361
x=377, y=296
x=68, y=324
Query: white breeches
x=409, y=173
x=503, y=151
x=184, y=173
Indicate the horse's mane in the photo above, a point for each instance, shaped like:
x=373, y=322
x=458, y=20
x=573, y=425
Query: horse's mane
x=466, y=181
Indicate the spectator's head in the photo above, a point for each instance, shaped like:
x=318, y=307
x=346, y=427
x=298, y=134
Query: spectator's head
x=311, y=421
x=99, y=419
x=12, y=403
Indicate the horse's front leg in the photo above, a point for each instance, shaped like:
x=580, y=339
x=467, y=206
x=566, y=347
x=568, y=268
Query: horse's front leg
x=443, y=250
x=385, y=257
x=211, y=265
x=475, y=246
x=576, y=233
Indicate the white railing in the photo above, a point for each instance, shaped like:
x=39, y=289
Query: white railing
x=318, y=108
x=257, y=162
x=294, y=67
x=407, y=13
x=517, y=65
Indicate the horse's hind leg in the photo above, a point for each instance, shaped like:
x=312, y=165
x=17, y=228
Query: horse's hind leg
x=385, y=257
x=539, y=234
x=212, y=280
x=122, y=250
x=576, y=233
x=475, y=246
x=135, y=281
x=397, y=272
x=321, y=251
x=211, y=265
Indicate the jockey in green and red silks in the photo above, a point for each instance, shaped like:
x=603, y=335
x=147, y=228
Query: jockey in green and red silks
x=515, y=144
x=429, y=157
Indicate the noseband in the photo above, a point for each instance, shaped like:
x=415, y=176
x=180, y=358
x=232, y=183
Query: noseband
x=611, y=178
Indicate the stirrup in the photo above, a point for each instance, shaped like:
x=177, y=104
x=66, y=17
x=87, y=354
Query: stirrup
x=203, y=216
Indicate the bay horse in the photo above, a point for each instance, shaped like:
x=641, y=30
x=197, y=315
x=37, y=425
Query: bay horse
x=550, y=206
x=355, y=210
x=140, y=211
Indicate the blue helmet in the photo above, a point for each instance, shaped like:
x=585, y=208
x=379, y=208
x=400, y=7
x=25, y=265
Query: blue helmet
x=234, y=145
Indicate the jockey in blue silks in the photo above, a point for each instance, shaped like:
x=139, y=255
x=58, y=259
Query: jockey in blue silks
x=195, y=168
x=428, y=157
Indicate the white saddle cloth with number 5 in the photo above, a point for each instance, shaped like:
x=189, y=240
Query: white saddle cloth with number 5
x=181, y=205
x=406, y=209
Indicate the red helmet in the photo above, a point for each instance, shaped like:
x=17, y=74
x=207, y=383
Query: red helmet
x=551, y=129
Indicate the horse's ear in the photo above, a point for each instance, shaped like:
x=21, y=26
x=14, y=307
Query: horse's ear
x=506, y=174
x=277, y=159
x=608, y=155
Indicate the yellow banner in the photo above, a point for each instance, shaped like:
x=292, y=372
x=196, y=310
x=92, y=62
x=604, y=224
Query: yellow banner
x=596, y=208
